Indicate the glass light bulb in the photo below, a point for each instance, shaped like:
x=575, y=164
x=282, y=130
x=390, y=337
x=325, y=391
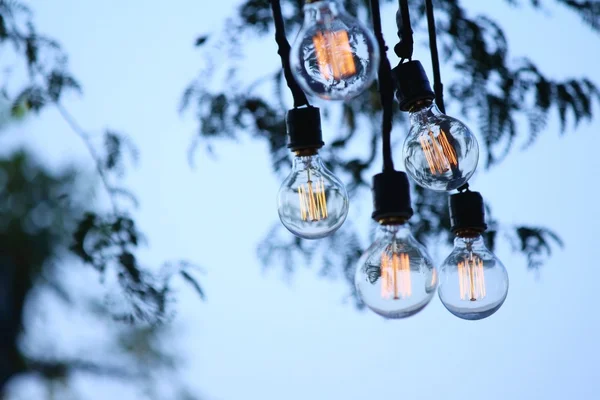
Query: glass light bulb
x=473, y=282
x=334, y=55
x=312, y=202
x=395, y=277
x=440, y=152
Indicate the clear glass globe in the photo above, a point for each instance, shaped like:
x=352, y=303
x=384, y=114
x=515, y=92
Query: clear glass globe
x=334, y=56
x=473, y=282
x=440, y=152
x=312, y=202
x=395, y=277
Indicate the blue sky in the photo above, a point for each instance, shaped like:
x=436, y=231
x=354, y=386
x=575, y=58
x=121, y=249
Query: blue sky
x=259, y=336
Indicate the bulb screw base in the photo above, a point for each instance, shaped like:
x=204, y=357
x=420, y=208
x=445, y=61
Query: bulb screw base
x=412, y=85
x=391, y=197
x=304, y=128
x=467, y=214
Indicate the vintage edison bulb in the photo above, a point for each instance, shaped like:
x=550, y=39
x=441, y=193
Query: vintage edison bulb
x=395, y=277
x=312, y=202
x=440, y=152
x=473, y=282
x=334, y=55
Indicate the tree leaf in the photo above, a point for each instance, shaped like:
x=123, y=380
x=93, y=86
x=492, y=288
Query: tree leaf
x=201, y=40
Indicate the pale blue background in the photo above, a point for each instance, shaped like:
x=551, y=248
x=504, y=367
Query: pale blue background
x=259, y=338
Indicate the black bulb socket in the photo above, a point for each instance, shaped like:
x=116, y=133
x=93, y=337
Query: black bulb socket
x=467, y=213
x=391, y=197
x=412, y=85
x=304, y=128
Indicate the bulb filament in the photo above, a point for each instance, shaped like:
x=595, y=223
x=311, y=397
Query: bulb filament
x=440, y=155
x=471, y=279
x=334, y=55
x=395, y=276
x=313, y=203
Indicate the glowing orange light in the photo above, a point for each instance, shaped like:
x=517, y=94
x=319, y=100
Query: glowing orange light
x=334, y=55
x=440, y=155
x=471, y=279
x=313, y=203
x=395, y=276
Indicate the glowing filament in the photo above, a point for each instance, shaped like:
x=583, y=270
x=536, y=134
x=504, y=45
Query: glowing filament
x=313, y=203
x=395, y=276
x=440, y=155
x=470, y=278
x=334, y=54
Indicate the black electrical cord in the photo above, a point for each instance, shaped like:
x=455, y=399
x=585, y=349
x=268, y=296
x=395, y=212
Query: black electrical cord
x=386, y=89
x=404, y=49
x=284, y=52
x=438, y=87
x=391, y=189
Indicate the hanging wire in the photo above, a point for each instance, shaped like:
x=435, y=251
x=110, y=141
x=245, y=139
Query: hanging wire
x=404, y=49
x=284, y=52
x=438, y=87
x=386, y=89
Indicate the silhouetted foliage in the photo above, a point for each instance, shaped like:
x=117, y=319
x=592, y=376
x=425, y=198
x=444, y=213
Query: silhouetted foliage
x=101, y=240
x=491, y=88
x=42, y=220
x=38, y=211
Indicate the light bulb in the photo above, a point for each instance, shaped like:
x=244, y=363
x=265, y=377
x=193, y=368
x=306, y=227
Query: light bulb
x=395, y=277
x=473, y=282
x=312, y=202
x=440, y=152
x=334, y=55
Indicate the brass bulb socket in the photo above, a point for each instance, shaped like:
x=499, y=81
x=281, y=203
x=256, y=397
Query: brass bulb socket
x=305, y=152
x=392, y=221
x=419, y=105
x=468, y=232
